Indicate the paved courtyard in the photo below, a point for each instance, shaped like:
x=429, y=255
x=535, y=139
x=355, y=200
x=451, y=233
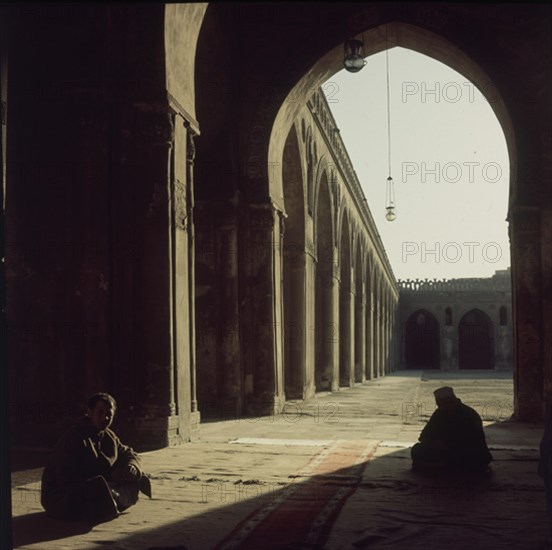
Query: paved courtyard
x=331, y=472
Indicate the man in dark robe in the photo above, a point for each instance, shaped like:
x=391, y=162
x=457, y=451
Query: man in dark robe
x=453, y=438
x=91, y=476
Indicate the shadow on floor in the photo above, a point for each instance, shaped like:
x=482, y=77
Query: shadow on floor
x=39, y=527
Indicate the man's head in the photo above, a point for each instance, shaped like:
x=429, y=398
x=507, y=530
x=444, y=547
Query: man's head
x=101, y=410
x=445, y=399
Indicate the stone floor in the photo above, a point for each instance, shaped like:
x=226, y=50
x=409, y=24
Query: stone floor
x=331, y=472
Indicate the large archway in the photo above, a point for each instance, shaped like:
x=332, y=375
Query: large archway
x=422, y=341
x=266, y=115
x=475, y=341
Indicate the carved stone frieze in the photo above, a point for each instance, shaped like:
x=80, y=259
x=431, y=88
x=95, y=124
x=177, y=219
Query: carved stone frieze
x=180, y=206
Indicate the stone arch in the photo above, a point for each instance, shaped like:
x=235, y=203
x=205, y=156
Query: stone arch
x=475, y=341
x=406, y=35
x=294, y=287
x=325, y=325
x=268, y=114
x=346, y=322
x=422, y=340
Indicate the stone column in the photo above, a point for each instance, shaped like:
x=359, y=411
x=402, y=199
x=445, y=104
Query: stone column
x=190, y=156
x=295, y=312
x=388, y=340
x=183, y=277
x=231, y=334
x=377, y=338
x=386, y=337
x=147, y=175
x=527, y=302
x=360, y=337
x=369, y=335
x=261, y=295
x=352, y=333
x=309, y=352
x=335, y=333
x=345, y=329
x=380, y=337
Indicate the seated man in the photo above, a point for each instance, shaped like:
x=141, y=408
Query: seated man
x=91, y=476
x=453, y=438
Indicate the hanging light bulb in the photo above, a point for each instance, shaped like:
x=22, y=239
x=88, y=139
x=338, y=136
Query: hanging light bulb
x=390, y=203
x=353, y=59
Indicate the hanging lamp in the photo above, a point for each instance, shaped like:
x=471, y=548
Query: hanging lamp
x=353, y=57
x=390, y=194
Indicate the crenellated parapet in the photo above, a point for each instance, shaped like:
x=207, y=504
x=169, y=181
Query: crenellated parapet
x=500, y=282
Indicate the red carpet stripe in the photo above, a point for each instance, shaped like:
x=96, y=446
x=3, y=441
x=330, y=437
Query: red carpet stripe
x=304, y=511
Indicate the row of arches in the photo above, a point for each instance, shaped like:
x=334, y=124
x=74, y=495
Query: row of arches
x=332, y=283
x=476, y=346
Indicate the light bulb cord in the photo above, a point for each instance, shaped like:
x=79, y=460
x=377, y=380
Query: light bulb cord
x=388, y=103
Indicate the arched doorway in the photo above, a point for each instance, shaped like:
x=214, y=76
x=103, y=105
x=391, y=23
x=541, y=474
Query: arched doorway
x=476, y=341
x=422, y=341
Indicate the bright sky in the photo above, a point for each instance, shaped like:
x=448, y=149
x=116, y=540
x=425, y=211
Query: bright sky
x=449, y=162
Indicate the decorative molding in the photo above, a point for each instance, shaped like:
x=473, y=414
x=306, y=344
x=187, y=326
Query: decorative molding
x=153, y=125
x=262, y=217
x=190, y=121
x=180, y=206
x=190, y=148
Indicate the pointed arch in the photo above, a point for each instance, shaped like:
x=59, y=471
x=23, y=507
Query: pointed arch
x=475, y=341
x=422, y=340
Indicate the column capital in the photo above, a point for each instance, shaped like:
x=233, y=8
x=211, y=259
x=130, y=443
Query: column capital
x=153, y=124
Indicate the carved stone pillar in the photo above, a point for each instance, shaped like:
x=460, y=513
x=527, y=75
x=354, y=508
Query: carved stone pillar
x=147, y=309
x=527, y=303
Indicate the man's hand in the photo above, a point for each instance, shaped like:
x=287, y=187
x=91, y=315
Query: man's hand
x=125, y=474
